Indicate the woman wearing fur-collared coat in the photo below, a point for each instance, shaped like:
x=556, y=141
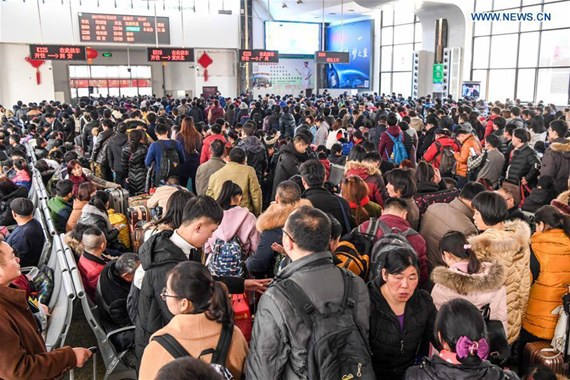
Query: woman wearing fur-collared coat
x=270, y=224
x=508, y=242
x=464, y=276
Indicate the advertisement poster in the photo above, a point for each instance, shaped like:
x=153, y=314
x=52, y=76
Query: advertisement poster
x=288, y=77
x=357, y=38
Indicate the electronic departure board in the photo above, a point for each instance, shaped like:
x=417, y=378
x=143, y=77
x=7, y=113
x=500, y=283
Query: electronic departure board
x=169, y=55
x=95, y=27
x=258, y=56
x=331, y=57
x=58, y=52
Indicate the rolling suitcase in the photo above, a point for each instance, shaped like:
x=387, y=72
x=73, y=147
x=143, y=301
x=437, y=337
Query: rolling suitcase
x=137, y=216
x=542, y=353
x=119, y=200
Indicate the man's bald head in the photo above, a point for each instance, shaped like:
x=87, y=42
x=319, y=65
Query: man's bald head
x=94, y=240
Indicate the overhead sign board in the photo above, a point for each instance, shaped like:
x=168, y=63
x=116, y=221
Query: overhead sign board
x=438, y=73
x=259, y=56
x=169, y=55
x=97, y=27
x=332, y=57
x=58, y=52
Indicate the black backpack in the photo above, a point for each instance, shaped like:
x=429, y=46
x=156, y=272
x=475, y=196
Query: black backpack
x=219, y=355
x=447, y=164
x=337, y=349
x=169, y=161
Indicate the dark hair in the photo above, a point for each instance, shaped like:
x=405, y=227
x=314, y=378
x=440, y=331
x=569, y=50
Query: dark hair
x=310, y=228
x=289, y=192
x=187, y=368
x=237, y=155
x=175, y=209
x=470, y=190
x=302, y=137
x=398, y=260
x=396, y=203
x=121, y=127
x=455, y=242
x=70, y=166
x=193, y=281
x=392, y=119
x=458, y=318
x=537, y=124
x=491, y=206
x=313, y=172
x=553, y=218
x=372, y=157
x=357, y=153
x=218, y=148
x=63, y=187
x=402, y=181
x=85, y=190
x=161, y=129
x=336, y=227
x=540, y=372
x=202, y=206
x=493, y=140
x=521, y=134
x=22, y=206
x=135, y=137
x=500, y=122
x=424, y=172
x=216, y=129
x=560, y=127
x=99, y=200
x=229, y=190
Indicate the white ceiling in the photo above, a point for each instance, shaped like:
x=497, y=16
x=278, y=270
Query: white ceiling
x=312, y=10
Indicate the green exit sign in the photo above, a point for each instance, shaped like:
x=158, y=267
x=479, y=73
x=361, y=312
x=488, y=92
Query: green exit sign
x=107, y=54
x=438, y=73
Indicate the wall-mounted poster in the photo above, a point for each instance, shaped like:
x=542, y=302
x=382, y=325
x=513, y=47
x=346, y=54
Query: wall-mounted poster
x=288, y=77
x=355, y=38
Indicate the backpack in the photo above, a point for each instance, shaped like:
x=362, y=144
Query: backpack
x=337, y=348
x=353, y=251
x=447, y=163
x=227, y=258
x=399, y=152
x=169, y=161
x=392, y=238
x=219, y=355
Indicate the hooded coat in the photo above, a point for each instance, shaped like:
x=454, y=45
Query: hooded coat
x=556, y=163
x=135, y=168
x=287, y=165
x=510, y=247
x=256, y=154
x=237, y=221
x=485, y=287
x=371, y=175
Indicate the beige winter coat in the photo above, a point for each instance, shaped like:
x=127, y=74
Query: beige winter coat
x=510, y=247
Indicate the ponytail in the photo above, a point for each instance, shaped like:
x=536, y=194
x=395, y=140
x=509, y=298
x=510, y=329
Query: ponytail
x=220, y=308
x=455, y=243
x=553, y=218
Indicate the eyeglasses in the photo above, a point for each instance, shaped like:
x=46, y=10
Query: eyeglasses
x=289, y=236
x=164, y=295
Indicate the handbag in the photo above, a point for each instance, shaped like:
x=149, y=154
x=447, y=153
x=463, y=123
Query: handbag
x=560, y=338
x=497, y=338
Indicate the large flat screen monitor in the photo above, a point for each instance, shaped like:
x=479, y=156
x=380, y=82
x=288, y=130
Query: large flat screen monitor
x=292, y=38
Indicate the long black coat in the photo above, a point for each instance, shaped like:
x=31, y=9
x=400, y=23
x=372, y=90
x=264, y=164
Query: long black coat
x=524, y=163
x=133, y=164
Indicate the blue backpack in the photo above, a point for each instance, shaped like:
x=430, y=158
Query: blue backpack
x=227, y=258
x=399, y=152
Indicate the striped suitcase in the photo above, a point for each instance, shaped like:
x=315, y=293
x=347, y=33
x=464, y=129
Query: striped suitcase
x=541, y=352
x=119, y=200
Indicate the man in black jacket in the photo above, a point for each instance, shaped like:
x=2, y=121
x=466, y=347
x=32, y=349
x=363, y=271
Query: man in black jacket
x=289, y=159
x=313, y=175
x=161, y=253
x=254, y=150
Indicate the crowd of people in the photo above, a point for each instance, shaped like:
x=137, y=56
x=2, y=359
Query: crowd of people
x=447, y=215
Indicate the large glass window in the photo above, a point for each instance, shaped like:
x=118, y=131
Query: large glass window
x=400, y=35
x=528, y=60
x=98, y=80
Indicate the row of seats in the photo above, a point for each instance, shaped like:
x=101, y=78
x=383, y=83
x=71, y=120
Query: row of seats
x=69, y=291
